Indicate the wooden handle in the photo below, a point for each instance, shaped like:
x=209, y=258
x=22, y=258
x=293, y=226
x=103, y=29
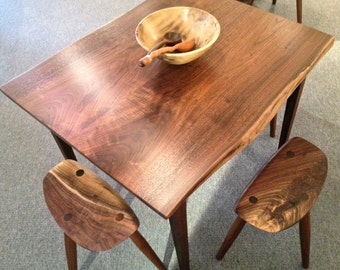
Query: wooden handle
x=182, y=47
x=147, y=59
x=157, y=46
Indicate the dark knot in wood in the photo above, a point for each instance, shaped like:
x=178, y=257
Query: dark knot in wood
x=290, y=154
x=80, y=172
x=68, y=217
x=253, y=199
x=120, y=217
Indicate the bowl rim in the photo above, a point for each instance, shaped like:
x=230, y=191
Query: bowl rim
x=209, y=44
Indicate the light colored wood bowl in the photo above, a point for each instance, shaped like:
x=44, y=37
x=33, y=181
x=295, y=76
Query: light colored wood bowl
x=188, y=21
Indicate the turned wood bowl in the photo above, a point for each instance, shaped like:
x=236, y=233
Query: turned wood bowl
x=189, y=22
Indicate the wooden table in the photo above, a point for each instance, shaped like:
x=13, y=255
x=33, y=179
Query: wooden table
x=162, y=130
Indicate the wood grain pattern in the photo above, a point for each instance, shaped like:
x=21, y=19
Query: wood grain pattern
x=286, y=188
x=88, y=209
x=163, y=131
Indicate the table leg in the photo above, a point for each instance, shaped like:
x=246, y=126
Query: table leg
x=70, y=245
x=179, y=230
x=71, y=253
x=291, y=108
x=65, y=148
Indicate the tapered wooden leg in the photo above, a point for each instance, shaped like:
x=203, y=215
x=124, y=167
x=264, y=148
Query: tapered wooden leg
x=250, y=2
x=71, y=253
x=273, y=126
x=65, y=149
x=147, y=250
x=291, y=108
x=305, y=233
x=179, y=230
x=299, y=10
x=234, y=231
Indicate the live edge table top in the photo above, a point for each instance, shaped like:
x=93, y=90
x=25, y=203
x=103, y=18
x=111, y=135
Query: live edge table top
x=162, y=130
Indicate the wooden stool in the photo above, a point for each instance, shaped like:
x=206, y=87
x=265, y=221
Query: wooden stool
x=90, y=212
x=282, y=194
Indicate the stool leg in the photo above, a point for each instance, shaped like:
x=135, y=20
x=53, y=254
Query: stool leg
x=147, y=250
x=299, y=10
x=234, y=231
x=71, y=253
x=273, y=126
x=274, y=2
x=305, y=233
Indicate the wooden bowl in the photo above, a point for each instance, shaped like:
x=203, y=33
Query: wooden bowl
x=188, y=21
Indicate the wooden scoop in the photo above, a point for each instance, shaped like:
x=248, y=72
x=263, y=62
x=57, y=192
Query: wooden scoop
x=184, y=46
